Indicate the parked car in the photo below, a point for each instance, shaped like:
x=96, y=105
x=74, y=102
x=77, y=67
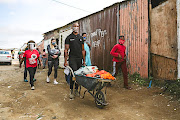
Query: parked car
x=5, y=57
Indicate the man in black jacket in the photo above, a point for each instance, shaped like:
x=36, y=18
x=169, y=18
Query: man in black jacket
x=75, y=43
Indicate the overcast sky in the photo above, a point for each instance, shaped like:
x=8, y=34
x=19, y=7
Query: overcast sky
x=23, y=20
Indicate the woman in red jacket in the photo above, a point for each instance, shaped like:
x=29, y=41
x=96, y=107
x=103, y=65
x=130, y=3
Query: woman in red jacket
x=31, y=56
x=119, y=60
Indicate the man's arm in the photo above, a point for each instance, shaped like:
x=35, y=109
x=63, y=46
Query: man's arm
x=66, y=54
x=83, y=53
x=49, y=50
x=113, y=52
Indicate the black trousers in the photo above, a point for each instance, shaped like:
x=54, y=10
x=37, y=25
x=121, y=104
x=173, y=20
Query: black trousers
x=25, y=71
x=32, y=72
x=52, y=63
x=75, y=64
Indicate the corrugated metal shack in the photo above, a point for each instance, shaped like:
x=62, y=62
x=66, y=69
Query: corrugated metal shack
x=133, y=24
x=128, y=18
x=150, y=30
x=101, y=29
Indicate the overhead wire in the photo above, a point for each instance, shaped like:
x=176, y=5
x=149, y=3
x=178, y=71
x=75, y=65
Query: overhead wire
x=71, y=6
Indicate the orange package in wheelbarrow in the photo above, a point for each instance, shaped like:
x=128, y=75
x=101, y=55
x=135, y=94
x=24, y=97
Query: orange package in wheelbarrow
x=107, y=76
x=103, y=74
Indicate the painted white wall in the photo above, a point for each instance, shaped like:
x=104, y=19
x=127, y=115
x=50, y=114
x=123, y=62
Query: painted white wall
x=46, y=43
x=62, y=37
x=178, y=35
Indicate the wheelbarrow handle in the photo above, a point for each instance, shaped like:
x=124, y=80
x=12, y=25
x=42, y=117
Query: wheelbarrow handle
x=71, y=71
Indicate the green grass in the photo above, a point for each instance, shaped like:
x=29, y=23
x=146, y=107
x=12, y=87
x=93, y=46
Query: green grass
x=171, y=87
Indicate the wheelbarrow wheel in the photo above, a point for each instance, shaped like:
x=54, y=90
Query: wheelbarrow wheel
x=99, y=96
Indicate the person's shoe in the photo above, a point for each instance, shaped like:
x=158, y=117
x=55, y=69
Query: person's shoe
x=34, y=79
x=32, y=88
x=76, y=93
x=127, y=87
x=48, y=80
x=71, y=95
x=25, y=80
x=55, y=82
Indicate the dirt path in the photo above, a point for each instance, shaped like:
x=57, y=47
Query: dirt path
x=48, y=101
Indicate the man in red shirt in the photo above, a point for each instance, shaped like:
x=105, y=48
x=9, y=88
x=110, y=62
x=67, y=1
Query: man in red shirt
x=31, y=56
x=119, y=60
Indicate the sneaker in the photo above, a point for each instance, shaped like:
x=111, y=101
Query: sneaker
x=48, y=80
x=25, y=80
x=76, y=93
x=71, y=95
x=32, y=88
x=55, y=82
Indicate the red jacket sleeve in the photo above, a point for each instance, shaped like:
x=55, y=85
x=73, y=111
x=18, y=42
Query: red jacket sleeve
x=113, y=51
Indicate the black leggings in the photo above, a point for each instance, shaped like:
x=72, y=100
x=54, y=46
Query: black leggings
x=52, y=63
x=32, y=72
x=25, y=73
x=75, y=64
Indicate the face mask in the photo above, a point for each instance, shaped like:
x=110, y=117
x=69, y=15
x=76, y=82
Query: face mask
x=31, y=46
x=75, y=29
x=53, y=43
x=121, y=41
x=84, y=38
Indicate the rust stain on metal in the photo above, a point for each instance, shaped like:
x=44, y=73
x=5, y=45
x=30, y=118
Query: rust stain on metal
x=134, y=26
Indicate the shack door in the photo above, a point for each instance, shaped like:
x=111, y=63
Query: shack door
x=163, y=24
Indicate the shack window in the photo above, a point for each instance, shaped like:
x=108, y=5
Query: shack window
x=155, y=3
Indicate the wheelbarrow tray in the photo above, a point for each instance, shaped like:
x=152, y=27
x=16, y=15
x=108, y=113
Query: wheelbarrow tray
x=89, y=83
x=94, y=85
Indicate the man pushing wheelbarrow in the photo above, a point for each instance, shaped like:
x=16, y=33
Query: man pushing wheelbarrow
x=75, y=43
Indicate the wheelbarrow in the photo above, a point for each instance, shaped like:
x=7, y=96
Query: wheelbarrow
x=93, y=86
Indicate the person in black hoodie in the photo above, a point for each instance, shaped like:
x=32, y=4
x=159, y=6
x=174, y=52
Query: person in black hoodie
x=53, y=59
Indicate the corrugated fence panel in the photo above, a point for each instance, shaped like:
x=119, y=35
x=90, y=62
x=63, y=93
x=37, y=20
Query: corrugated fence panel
x=101, y=29
x=134, y=26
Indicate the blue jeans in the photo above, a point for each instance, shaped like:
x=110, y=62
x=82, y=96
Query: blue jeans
x=44, y=62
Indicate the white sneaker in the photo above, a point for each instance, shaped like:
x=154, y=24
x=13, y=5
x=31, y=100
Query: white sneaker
x=32, y=88
x=48, y=80
x=55, y=82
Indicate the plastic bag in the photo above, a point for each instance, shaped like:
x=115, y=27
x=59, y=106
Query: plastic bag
x=90, y=69
x=79, y=71
x=66, y=71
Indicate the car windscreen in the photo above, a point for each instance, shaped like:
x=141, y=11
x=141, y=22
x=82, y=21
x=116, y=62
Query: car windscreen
x=4, y=52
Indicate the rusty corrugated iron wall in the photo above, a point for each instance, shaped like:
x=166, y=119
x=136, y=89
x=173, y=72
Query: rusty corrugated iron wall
x=134, y=26
x=101, y=29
